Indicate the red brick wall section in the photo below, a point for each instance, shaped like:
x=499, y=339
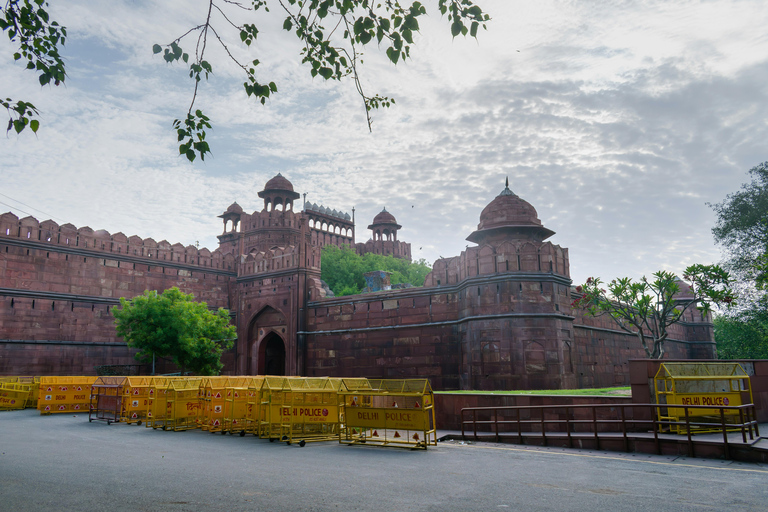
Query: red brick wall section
x=370, y=337
x=58, y=284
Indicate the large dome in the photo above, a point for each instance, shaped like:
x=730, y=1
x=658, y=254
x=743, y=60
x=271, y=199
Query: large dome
x=508, y=209
x=385, y=220
x=279, y=183
x=509, y=214
x=384, y=217
x=279, y=187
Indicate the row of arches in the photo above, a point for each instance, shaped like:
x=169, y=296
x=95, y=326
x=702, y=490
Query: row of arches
x=330, y=228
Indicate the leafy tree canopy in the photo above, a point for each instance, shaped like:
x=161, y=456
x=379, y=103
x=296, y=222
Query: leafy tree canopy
x=172, y=324
x=743, y=335
x=332, y=33
x=343, y=269
x=742, y=228
x=646, y=308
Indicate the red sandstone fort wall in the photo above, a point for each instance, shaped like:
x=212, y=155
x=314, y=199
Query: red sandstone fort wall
x=404, y=334
x=57, y=286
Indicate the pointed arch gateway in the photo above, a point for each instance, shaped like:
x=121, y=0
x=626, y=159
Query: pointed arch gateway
x=266, y=343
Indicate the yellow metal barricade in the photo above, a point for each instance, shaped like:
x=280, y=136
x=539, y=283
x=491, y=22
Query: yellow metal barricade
x=701, y=384
x=212, y=396
x=64, y=394
x=135, y=400
x=310, y=410
x=271, y=402
x=241, y=400
x=14, y=395
x=156, y=403
x=33, y=382
x=389, y=413
x=182, y=404
x=106, y=402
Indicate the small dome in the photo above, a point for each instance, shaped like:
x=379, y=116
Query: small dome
x=347, y=217
x=234, y=208
x=384, y=217
x=279, y=183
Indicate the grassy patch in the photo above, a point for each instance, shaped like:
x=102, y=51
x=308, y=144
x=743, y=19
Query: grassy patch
x=620, y=391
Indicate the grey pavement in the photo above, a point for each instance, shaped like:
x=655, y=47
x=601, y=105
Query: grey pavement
x=63, y=462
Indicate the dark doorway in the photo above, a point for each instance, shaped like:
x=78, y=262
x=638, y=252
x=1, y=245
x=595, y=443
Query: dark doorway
x=272, y=355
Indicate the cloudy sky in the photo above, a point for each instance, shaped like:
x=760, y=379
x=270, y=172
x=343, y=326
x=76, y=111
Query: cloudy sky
x=617, y=120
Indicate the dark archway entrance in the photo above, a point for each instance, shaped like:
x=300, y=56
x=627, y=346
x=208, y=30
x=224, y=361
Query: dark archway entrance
x=272, y=355
x=266, y=324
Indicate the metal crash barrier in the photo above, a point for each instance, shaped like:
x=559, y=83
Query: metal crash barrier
x=213, y=394
x=296, y=410
x=135, y=399
x=389, y=413
x=106, y=399
x=701, y=384
x=240, y=403
x=64, y=394
x=182, y=405
x=310, y=410
x=14, y=395
x=156, y=405
x=32, y=382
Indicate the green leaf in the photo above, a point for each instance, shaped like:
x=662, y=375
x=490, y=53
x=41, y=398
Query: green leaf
x=393, y=55
x=287, y=24
x=456, y=27
x=156, y=48
x=34, y=125
x=190, y=155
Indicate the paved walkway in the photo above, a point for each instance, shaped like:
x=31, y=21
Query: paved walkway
x=65, y=463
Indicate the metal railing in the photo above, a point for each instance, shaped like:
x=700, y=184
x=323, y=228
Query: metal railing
x=580, y=421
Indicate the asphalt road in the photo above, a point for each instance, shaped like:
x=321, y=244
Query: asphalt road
x=63, y=462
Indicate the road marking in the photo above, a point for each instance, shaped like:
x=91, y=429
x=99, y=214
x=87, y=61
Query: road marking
x=676, y=464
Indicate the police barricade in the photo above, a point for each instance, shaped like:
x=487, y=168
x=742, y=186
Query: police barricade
x=14, y=395
x=715, y=384
x=106, y=399
x=64, y=394
x=156, y=404
x=271, y=423
x=213, y=393
x=390, y=413
x=241, y=400
x=135, y=399
x=310, y=410
x=33, y=382
x=182, y=404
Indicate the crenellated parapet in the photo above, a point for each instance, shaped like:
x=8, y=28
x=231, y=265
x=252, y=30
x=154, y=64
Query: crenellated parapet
x=393, y=248
x=279, y=258
x=509, y=256
x=49, y=233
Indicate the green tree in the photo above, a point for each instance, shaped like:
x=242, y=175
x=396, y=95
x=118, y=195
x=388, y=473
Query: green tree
x=343, y=269
x=332, y=34
x=172, y=324
x=743, y=335
x=742, y=228
x=646, y=308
